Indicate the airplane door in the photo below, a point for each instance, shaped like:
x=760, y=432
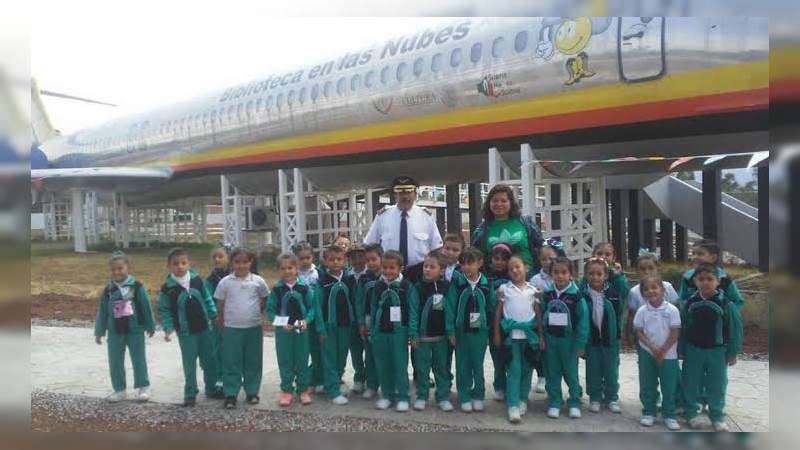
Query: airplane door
x=640, y=48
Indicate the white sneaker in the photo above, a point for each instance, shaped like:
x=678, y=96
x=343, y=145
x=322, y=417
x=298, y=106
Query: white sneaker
x=574, y=413
x=523, y=408
x=514, y=415
x=383, y=403
x=445, y=405
x=541, y=385
x=420, y=405
x=144, y=394
x=402, y=407
x=672, y=424
x=721, y=426
x=647, y=421
x=553, y=413
x=477, y=405
x=368, y=394
x=614, y=407
x=594, y=407
x=358, y=387
x=319, y=389
x=499, y=396
x=695, y=423
x=466, y=407
x=117, y=396
x=340, y=400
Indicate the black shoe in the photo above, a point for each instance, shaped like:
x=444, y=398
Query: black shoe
x=230, y=402
x=189, y=402
x=253, y=399
x=216, y=394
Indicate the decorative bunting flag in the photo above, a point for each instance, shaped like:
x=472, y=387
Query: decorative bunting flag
x=714, y=159
x=680, y=162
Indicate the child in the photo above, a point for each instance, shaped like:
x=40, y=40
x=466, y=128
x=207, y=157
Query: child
x=605, y=328
x=427, y=333
x=290, y=308
x=390, y=299
x=566, y=329
x=708, y=252
x=516, y=318
x=373, y=254
x=124, y=311
x=711, y=340
x=336, y=319
x=617, y=278
x=220, y=268
x=358, y=269
x=451, y=250
x=657, y=325
x=308, y=273
x=543, y=282
x=185, y=306
x=646, y=265
x=242, y=297
x=471, y=302
x=497, y=274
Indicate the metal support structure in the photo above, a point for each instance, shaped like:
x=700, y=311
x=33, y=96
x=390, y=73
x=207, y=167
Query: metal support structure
x=635, y=225
x=121, y=218
x=666, y=243
x=78, y=229
x=681, y=243
x=453, y=216
x=712, y=204
x=620, y=206
x=475, y=205
x=92, y=227
x=763, y=219
x=232, y=213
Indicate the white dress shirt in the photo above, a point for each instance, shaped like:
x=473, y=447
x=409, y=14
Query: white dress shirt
x=423, y=235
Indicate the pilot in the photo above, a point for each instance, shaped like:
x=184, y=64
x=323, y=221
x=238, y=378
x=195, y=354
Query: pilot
x=406, y=227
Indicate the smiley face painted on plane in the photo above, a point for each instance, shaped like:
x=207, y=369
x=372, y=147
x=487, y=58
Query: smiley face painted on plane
x=573, y=35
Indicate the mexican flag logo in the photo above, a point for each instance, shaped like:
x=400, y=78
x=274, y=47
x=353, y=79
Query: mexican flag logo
x=486, y=87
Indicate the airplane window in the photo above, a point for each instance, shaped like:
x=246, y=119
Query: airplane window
x=436, y=62
x=279, y=100
x=355, y=82
x=314, y=92
x=368, y=78
x=239, y=111
x=268, y=105
x=249, y=108
x=290, y=98
x=455, y=57
x=301, y=96
x=401, y=71
x=385, y=74
x=521, y=41
x=340, y=86
x=205, y=118
x=259, y=105
x=497, y=47
x=418, y=66
x=475, y=52
x=327, y=88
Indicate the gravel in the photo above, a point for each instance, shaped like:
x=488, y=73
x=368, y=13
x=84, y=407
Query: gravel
x=60, y=412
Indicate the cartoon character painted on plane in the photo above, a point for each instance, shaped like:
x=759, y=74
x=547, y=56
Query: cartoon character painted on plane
x=570, y=36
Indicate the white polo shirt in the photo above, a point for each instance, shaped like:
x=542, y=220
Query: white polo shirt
x=657, y=324
x=423, y=235
x=242, y=297
x=636, y=300
x=518, y=305
x=542, y=281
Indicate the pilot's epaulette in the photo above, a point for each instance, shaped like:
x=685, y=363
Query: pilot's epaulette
x=430, y=213
x=383, y=210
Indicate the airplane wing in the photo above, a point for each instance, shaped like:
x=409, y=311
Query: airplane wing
x=119, y=179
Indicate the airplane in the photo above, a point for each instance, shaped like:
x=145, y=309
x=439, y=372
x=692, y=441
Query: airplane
x=431, y=103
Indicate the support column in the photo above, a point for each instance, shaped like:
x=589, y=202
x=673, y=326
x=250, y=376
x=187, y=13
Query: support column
x=453, y=203
x=763, y=218
x=712, y=205
x=78, y=229
x=494, y=166
x=300, y=207
x=681, y=243
x=619, y=213
x=649, y=234
x=666, y=242
x=283, y=210
x=475, y=205
x=527, y=177
x=635, y=225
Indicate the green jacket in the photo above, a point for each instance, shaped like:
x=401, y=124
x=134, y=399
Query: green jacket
x=618, y=281
x=297, y=303
x=726, y=284
x=186, y=311
x=506, y=325
x=695, y=328
x=571, y=301
x=142, y=318
x=459, y=296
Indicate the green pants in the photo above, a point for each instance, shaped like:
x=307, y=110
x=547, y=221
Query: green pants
x=370, y=372
x=432, y=355
x=450, y=351
x=357, y=356
x=391, y=363
x=334, y=359
x=315, y=351
x=650, y=375
x=193, y=347
x=243, y=356
x=500, y=363
x=562, y=362
x=116, y=359
x=705, y=368
x=219, y=364
x=602, y=373
x=292, y=349
x=470, y=353
x=520, y=374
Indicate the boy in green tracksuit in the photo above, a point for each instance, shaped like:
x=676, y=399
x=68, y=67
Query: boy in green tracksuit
x=220, y=263
x=711, y=340
x=335, y=321
x=125, y=313
x=389, y=312
x=372, y=254
x=616, y=276
x=471, y=302
x=605, y=327
x=427, y=331
x=290, y=308
x=708, y=252
x=566, y=324
x=358, y=270
x=186, y=308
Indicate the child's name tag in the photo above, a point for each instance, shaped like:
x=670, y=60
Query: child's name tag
x=518, y=334
x=437, y=301
x=280, y=321
x=558, y=319
x=394, y=314
x=475, y=320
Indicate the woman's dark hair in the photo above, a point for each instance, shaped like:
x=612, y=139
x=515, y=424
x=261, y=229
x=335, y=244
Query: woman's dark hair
x=488, y=215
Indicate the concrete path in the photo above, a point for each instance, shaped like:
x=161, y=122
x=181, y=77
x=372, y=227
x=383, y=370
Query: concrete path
x=67, y=361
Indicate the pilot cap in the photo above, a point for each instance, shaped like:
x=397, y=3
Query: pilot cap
x=404, y=183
